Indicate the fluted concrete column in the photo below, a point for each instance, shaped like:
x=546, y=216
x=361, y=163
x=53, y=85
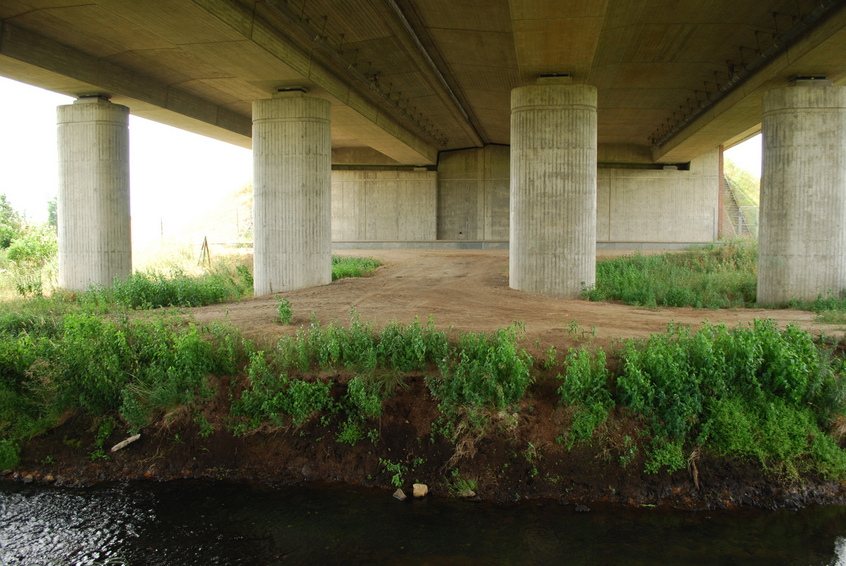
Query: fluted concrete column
x=802, y=234
x=95, y=244
x=292, y=190
x=553, y=189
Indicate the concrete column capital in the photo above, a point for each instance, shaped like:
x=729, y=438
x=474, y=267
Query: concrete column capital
x=552, y=96
x=804, y=96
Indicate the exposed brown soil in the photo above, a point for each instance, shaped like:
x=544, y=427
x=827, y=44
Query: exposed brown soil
x=517, y=457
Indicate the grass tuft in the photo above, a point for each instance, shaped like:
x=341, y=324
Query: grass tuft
x=714, y=276
x=353, y=266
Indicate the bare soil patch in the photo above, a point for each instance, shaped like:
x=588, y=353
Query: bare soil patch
x=468, y=290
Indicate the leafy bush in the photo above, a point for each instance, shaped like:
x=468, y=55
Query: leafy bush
x=585, y=387
x=749, y=391
x=485, y=371
x=149, y=289
x=283, y=307
x=269, y=396
x=82, y=362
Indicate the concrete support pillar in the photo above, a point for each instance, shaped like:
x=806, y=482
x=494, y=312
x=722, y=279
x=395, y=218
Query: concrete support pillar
x=292, y=190
x=802, y=234
x=95, y=243
x=553, y=189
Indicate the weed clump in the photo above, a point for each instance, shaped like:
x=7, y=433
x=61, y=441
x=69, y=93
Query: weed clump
x=751, y=391
x=714, y=276
x=353, y=266
x=81, y=362
x=151, y=289
x=283, y=307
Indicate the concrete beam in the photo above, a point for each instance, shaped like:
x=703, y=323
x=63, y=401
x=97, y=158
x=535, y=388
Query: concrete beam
x=739, y=112
x=37, y=60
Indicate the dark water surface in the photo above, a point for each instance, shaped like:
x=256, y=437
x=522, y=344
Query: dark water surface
x=205, y=523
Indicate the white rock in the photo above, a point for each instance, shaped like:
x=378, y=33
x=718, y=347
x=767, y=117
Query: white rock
x=123, y=444
x=400, y=495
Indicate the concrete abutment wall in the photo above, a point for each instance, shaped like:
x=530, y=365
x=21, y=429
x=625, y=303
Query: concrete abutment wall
x=384, y=205
x=473, y=193
x=468, y=199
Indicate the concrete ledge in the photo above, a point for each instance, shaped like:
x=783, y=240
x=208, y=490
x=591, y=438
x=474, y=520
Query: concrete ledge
x=495, y=245
x=648, y=246
x=422, y=244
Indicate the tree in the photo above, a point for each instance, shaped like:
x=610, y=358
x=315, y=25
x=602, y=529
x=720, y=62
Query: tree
x=11, y=223
x=53, y=213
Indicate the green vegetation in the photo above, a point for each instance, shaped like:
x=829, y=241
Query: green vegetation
x=749, y=392
x=585, y=390
x=758, y=394
x=27, y=252
x=283, y=307
x=151, y=289
x=714, y=276
x=57, y=357
x=397, y=470
x=485, y=372
x=747, y=187
x=353, y=266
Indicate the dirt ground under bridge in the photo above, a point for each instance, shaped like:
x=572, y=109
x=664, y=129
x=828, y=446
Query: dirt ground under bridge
x=468, y=290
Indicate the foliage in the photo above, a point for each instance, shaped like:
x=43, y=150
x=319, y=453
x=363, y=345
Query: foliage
x=396, y=468
x=713, y=276
x=757, y=393
x=750, y=391
x=460, y=486
x=34, y=247
x=830, y=309
x=585, y=387
x=484, y=372
x=27, y=251
x=11, y=222
x=271, y=395
x=353, y=266
x=151, y=289
x=747, y=187
x=58, y=358
x=283, y=307
x=8, y=454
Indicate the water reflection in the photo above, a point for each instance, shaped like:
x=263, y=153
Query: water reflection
x=188, y=523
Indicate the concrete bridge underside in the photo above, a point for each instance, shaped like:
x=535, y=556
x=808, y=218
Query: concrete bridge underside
x=552, y=124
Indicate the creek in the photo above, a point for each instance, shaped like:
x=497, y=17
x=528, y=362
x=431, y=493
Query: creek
x=191, y=522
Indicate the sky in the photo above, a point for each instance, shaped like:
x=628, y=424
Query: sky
x=747, y=155
x=174, y=175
